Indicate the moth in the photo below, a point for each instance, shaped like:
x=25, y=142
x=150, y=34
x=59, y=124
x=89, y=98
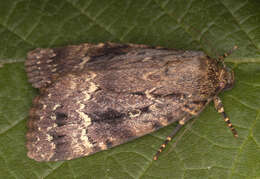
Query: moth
x=97, y=96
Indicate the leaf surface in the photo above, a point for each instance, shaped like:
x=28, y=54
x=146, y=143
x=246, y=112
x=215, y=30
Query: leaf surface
x=205, y=147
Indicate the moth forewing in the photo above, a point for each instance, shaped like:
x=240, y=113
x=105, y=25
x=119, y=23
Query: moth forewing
x=94, y=97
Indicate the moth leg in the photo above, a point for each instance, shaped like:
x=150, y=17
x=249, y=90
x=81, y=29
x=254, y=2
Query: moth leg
x=192, y=108
x=219, y=107
x=169, y=138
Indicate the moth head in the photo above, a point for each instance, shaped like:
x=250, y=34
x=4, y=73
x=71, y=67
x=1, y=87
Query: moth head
x=226, y=78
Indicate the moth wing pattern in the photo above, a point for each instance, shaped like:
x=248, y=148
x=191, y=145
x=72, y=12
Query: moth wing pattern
x=43, y=66
x=104, y=95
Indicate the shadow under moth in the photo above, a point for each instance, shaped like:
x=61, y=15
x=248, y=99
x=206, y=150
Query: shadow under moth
x=94, y=97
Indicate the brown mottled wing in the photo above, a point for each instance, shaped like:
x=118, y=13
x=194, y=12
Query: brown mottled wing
x=115, y=98
x=43, y=66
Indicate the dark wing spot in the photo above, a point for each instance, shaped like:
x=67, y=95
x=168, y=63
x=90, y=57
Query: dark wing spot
x=107, y=116
x=157, y=125
x=91, y=140
x=56, y=136
x=145, y=109
x=175, y=95
x=139, y=93
x=109, y=144
x=169, y=117
x=61, y=118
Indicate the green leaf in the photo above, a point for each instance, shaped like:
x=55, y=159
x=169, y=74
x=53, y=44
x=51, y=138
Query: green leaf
x=205, y=147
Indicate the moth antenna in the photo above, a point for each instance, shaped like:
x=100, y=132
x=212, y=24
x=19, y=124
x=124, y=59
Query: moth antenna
x=201, y=38
x=219, y=107
x=169, y=138
x=222, y=57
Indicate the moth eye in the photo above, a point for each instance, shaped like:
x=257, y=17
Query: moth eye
x=222, y=85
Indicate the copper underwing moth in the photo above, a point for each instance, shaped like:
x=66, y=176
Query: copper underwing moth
x=97, y=96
